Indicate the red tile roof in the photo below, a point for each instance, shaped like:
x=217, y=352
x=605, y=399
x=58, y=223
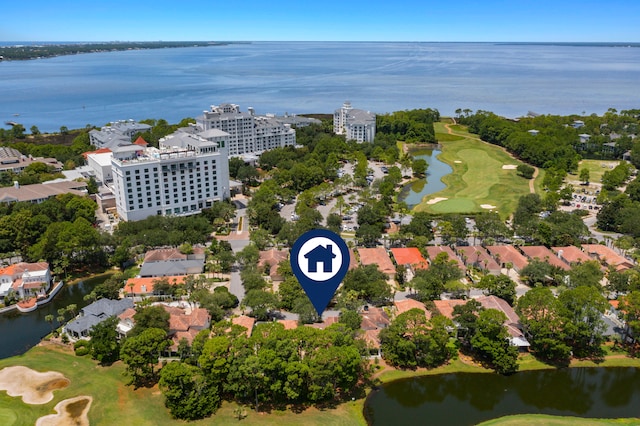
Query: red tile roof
x=508, y=254
x=405, y=305
x=146, y=285
x=571, y=254
x=140, y=141
x=434, y=251
x=512, y=322
x=377, y=256
x=608, y=256
x=289, y=324
x=374, y=318
x=544, y=254
x=372, y=338
x=246, y=322
x=445, y=307
x=161, y=255
x=478, y=256
x=273, y=257
x=98, y=151
x=409, y=256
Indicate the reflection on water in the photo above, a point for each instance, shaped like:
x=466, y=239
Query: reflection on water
x=414, y=192
x=468, y=399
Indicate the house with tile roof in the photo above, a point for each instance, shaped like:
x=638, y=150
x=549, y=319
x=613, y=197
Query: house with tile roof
x=410, y=258
x=273, y=257
x=544, y=254
x=445, y=307
x=571, y=255
x=508, y=254
x=378, y=256
x=478, y=257
x=405, y=305
x=246, y=322
x=373, y=320
x=434, y=251
x=512, y=323
x=40, y=192
x=607, y=256
x=25, y=280
x=327, y=320
x=145, y=286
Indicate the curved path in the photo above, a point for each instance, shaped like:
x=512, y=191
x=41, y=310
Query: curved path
x=536, y=171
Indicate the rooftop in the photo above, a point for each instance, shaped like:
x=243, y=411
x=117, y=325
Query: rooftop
x=377, y=256
x=544, y=254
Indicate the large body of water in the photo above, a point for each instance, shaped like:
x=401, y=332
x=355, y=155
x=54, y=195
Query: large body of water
x=315, y=77
x=466, y=399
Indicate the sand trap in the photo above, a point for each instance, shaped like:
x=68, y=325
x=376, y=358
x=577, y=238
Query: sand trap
x=487, y=206
x=34, y=387
x=436, y=200
x=509, y=166
x=457, y=161
x=71, y=412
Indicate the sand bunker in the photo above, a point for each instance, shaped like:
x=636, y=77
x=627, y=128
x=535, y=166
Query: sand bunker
x=71, y=412
x=34, y=387
x=510, y=166
x=436, y=200
x=487, y=206
x=457, y=161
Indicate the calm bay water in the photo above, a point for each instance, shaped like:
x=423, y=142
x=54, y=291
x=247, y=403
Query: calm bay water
x=315, y=77
x=467, y=399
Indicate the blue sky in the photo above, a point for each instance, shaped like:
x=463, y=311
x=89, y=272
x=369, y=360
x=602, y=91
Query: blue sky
x=329, y=20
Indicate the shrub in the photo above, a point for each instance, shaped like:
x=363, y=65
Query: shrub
x=82, y=351
x=81, y=344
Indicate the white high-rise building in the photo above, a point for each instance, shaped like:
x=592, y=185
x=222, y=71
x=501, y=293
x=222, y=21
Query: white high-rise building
x=248, y=133
x=355, y=124
x=186, y=174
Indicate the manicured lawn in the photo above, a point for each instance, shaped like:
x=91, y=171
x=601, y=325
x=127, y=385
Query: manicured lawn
x=478, y=176
x=116, y=403
x=545, y=420
x=596, y=170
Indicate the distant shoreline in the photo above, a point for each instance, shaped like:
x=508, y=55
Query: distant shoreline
x=23, y=52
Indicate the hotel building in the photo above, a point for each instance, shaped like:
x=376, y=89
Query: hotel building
x=355, y=124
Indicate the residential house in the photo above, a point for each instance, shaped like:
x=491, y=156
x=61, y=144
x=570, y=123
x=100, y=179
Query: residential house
x=508, y=254
x=273, y=257
x=410, y=259
x=94, y=314
x=378, y=256
x=512, y=323
x=373, y=320
x=170, y=262
x=405, y=305
x=608, y=256
x=478, y=257
x=12, y=160
x=25, y=279
x=327, y=320
x=289, y=324
x=185, y=323
x=246, y=322
x=571, y=255
x=145, y=286
x=445, y=307
x=544, y=254
x=434, y=251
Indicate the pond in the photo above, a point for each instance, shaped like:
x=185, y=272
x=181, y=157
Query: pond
x=20, y=332
x=471, y=398
x=414, y=192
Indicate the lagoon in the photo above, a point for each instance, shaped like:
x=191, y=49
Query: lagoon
x=413, y=192
x=463, y=399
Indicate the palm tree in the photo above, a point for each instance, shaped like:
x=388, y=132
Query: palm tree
x=49, y=319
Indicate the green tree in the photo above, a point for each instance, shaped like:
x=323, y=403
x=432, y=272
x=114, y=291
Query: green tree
x=525, y=171
x=585, y=175
x=582, y=309
x=369, y=284
x=586, y=274
x=351, y=319
x=500, y=286
x=491, y=343
x=147, y=317
x=188, y=394
x=104, y=345
x=261, y=303
x=140, y=353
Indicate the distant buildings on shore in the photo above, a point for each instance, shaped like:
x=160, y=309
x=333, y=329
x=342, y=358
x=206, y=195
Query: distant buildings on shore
x=355, y=124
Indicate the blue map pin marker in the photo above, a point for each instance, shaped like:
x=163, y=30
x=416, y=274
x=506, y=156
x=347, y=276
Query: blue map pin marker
x=320, y=260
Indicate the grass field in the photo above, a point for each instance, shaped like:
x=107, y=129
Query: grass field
x=116, y=403
x=478, y=176
x=544, y=420
x=596, y=170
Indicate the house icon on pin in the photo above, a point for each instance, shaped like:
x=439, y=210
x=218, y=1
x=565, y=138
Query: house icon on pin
x=322, y=255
